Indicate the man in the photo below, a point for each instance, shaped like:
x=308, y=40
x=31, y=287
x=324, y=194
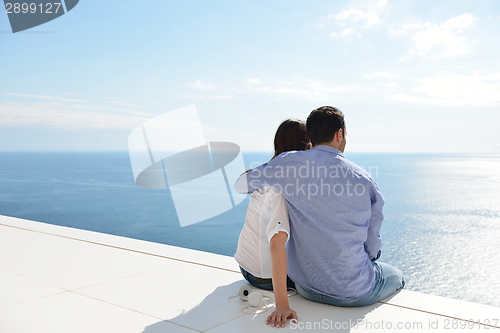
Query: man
x=335, y=210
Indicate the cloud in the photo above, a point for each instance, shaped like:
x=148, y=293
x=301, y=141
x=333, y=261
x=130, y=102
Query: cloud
x=254, y=81
x=379, y=74
x=388, y=85
x=200, y=85
x=455, y=90
x=121, y=102
x=299, y=88
x=68, y=114
x=222, y=97
x=438, y=41
x=353, y=20
x=45, y=97
x=367, y=14
x=47, y=115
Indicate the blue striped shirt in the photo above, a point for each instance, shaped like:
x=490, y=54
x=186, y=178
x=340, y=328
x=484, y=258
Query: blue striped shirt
x=335, y=212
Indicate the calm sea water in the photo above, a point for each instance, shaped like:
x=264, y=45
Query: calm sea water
x=441, y=227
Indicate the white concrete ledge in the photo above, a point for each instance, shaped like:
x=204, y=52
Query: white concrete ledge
x=58, y=279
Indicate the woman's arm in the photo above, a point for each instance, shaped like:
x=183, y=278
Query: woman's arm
x=279, y=274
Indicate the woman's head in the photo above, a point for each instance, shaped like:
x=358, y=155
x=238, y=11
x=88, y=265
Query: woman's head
x=291, y=135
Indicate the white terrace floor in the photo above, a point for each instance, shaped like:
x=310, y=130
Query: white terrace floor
x=62, y=280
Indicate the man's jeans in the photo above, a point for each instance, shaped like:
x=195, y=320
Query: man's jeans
x=266, y=284
x=388, y=280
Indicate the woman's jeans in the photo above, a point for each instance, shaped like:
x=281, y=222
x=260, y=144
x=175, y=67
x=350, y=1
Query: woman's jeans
x=388, y=280
x=266, y=284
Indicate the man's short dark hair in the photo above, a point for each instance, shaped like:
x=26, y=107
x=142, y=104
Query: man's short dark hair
x=323, y=123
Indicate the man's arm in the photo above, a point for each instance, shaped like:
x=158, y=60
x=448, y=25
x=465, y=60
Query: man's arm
x=264, y=175
x=373, y=240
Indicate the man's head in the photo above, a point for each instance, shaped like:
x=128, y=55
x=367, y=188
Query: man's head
x=326, y=126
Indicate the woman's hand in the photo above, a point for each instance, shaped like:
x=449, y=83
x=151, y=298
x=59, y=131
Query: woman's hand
x=279, y=316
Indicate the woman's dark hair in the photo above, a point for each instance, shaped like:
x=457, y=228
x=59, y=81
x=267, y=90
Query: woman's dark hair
x=323, y=123
x=291, y=135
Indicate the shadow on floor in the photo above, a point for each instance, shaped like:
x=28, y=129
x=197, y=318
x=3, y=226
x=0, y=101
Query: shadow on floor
x=219, y=312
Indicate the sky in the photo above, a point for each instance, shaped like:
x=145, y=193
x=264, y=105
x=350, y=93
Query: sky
x=410, y=76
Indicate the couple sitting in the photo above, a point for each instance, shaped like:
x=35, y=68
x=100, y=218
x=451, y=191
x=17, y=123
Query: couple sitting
x=327, y=208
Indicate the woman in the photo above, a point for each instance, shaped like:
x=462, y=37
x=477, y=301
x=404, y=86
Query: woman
x=261, y=246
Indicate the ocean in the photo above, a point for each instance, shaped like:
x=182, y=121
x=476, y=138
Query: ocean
x=441, y=226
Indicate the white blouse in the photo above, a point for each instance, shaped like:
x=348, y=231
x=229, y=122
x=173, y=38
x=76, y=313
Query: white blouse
x=267, y=215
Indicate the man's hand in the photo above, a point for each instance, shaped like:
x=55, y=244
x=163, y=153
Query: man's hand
x=279, y=316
